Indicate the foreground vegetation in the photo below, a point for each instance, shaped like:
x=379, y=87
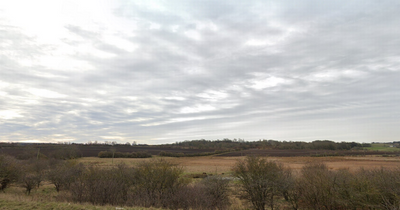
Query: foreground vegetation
x=255, y=183
x=28, y=204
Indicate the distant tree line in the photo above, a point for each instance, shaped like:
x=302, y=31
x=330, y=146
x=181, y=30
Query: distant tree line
x=71, y=151
x=240, y=144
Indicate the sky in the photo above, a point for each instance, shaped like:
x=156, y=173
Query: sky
x=164, y=71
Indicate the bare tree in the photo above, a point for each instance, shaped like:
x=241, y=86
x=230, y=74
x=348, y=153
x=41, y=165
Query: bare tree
x=260, y=181
x=64, y=173
x=216, y=190
x=155, y=181
x=8, y=171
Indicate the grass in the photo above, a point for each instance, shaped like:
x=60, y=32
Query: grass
x=47, y=198
x=202, y=164
x=22, y=205
x=193, y=166
x=382, y=147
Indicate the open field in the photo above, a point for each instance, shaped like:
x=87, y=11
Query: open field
x=382, y=147
x=309, y=152
x=217, y=164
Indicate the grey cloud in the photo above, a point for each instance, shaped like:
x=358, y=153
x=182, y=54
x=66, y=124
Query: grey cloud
x=337, y=61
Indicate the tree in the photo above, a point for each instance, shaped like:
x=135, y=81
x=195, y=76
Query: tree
x=155, y=181
x=29, y=180
x=216, y=190
x=8, y=171
x=64, y=173
x=260, y=181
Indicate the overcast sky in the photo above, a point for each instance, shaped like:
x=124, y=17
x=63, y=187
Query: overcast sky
x=165, y=71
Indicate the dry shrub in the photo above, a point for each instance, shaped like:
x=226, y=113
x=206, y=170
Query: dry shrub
x=320, y=188
x=187, y=197
x=155, y=181
x=260, y=181
x=387, y=187
x=29, y=181
x=62, y=173
x=8, y=171
x=102, y=186
x=316, y=187
x=216, y=190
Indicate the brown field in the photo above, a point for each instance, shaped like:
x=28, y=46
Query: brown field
x=305, y=152
x=217, y=164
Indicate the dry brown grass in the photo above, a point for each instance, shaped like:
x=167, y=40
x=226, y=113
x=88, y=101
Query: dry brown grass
x=47, y=198
x=215, y=164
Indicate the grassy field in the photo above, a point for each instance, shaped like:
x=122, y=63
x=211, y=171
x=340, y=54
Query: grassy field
x=382, y=147
x=22, y=205
x=46, y=198
x=218, y=165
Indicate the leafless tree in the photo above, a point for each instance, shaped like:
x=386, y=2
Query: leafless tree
x=260, y=181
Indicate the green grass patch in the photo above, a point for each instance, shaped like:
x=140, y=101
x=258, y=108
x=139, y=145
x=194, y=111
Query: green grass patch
x=382, y=147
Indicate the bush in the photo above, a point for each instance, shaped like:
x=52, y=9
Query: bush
x=260, y=181
x=29, y=180
x=216, y=191
x=387, y=185
x=32, y=173
x=8, y=171
x=103, y=186
x=155, y=181
x=64, y=173
x=316, y=185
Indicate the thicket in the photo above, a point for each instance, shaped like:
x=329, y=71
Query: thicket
x=261, y=183
x=154, y=183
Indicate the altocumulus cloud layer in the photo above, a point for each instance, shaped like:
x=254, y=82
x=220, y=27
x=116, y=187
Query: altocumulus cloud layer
x=166, y=71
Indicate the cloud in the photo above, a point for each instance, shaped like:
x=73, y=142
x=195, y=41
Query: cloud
x=156, y=72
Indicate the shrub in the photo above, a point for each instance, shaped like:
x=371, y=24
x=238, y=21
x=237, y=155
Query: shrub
x=64, y=173
x=216, y=190
x=155, y=181
x=103, y=186
x=387, y=184
x=316, y=186
x=8, y=171
x=29, y=180
x=259, y=180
